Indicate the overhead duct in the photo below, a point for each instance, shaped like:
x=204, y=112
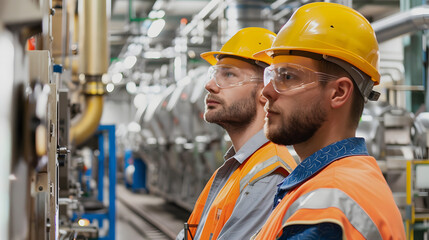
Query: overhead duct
x=93, y=60
x=246, y=13
x=402, y=23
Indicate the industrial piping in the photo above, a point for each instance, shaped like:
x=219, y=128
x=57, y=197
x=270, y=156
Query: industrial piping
x=93, y=60
x=402, y=23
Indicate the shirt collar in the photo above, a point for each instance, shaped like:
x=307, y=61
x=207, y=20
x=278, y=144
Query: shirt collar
x=253, y=144
x=322, y=158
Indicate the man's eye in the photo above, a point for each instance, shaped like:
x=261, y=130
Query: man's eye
x=286, y=76
x=228, y=74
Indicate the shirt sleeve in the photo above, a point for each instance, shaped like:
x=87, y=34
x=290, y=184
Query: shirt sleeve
x=322, y=231
x=181, y=235
x=252, y=209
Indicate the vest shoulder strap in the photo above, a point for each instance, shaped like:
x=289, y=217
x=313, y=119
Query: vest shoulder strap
x=267, y=163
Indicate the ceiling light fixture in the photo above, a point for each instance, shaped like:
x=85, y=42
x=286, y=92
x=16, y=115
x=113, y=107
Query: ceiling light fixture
x=110, y=87
x=156, y=28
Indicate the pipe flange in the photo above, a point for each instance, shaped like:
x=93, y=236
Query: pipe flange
x=94, y=88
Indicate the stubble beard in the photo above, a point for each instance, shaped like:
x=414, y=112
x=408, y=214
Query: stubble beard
x=299, y=126
x=236, y=115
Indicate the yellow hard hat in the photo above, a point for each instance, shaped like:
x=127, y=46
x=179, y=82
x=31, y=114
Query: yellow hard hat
x=245, y=43
x=332, y=30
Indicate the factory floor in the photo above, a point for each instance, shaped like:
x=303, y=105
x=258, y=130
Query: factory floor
x=145, y=216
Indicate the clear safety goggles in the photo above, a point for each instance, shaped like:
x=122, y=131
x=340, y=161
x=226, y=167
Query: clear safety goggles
x=226, y=76
x=289, y=76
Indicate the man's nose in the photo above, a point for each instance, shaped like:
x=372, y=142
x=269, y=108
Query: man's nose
x=211, y=85
x=269, y=92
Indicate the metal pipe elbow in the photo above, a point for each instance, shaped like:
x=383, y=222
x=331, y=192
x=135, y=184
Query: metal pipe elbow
x=89, y=122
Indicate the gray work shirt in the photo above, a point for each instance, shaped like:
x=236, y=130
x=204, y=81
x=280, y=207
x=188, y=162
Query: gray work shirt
x=255, y=202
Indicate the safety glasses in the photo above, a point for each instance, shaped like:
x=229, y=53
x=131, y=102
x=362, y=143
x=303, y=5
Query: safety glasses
x=226, y=76
x=288, y=77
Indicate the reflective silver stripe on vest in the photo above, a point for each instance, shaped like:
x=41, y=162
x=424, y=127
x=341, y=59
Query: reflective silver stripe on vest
x=259, y=167
x=332, y=197
x=289, y=169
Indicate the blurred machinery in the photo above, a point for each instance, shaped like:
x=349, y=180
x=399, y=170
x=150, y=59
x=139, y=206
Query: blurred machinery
x=54, y=67
x=42, y=130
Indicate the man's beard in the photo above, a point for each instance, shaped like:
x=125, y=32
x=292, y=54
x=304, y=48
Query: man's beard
x=236, y=115
x=298, y=126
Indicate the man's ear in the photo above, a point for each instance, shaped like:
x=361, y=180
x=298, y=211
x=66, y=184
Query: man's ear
x=341, y=91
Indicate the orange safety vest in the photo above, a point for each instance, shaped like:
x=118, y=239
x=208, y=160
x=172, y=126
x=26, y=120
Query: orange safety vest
x=350, y=192
x=268, y=159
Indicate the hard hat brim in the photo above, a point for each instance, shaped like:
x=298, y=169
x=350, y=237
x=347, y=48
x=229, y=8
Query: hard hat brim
x=210, y=57
x=264, y=53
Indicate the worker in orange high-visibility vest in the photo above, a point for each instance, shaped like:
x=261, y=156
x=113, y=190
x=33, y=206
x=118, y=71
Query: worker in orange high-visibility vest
x=325, y=64
x=238, y=197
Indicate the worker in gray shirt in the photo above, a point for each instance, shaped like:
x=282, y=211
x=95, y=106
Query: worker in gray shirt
x=238, y=197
